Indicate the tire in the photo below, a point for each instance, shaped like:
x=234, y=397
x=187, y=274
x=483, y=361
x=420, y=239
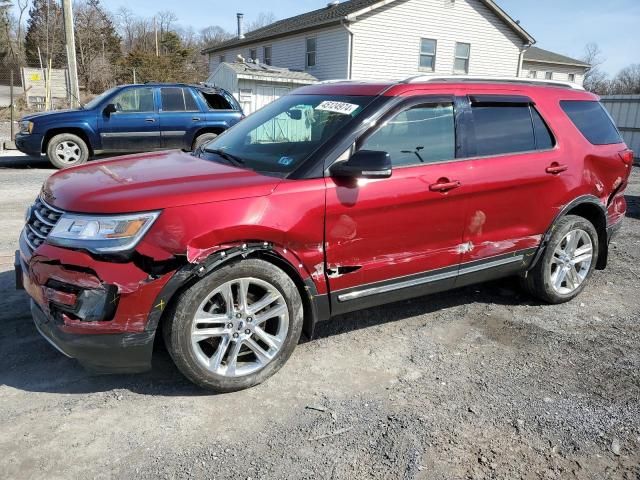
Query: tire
x=67, y=150
x=208, y=360
x=545, y=280
x=202, y=139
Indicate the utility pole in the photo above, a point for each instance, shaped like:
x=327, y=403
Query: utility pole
x=71, y=52
x=155, y=29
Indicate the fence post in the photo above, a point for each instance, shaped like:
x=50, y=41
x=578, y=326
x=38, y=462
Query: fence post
x=11, y=107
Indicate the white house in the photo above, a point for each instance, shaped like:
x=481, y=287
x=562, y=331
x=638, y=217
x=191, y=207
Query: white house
x=388, y=39
x=543, y=64
x=255, y=85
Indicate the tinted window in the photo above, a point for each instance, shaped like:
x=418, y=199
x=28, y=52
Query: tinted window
x=544, y=139
x=176, y=99
x=503, y=129
x=422, y=134
x=592, y=120
x=135, y=100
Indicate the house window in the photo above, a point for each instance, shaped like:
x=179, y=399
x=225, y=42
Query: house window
x=548, y=75
x=253, y=54
x=572, y=77
x=428, y=54
x=461, y=60
x=311, y=52
x=533, y=74
x=266, y=55
x=222, y=58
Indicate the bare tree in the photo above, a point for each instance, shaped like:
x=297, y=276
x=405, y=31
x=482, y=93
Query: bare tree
x=262, y=20
x=595, y=80
x=627, y=81
x=214, y=35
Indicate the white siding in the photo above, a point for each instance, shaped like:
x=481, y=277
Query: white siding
x=560, y=72
x=290, y=52
x=387, y=40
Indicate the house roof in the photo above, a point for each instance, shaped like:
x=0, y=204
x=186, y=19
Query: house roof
x=263, y=72
x=344, y=11
x=535, y=54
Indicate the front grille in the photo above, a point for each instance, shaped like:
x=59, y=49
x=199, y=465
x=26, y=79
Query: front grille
x=42, y=218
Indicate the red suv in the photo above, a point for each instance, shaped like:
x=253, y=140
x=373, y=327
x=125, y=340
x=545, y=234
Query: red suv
x=338, y=197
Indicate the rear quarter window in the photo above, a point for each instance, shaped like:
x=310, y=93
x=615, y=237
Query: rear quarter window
x=592, y=120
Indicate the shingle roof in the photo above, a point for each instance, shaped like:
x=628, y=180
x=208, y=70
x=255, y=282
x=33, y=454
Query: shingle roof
x=535, y=54
x=266, y=72
x=334, y=14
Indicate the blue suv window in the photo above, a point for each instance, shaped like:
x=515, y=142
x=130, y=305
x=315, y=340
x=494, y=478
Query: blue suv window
x=177, y=99
x=135, y=100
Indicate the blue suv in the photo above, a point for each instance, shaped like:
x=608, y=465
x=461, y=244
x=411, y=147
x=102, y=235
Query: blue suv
x=130, y=118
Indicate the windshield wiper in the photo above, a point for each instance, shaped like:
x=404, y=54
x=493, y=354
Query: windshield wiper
x=237, y=161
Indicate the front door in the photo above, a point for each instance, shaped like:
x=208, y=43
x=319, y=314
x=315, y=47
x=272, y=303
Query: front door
x=133, y=127
x=399, y=237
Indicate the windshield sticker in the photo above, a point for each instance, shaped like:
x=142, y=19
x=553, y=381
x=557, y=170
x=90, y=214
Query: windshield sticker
x=337, y=107
x=285, y=161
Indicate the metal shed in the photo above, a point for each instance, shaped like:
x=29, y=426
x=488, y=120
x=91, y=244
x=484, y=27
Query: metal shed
x=625, y=110
x=255, y=85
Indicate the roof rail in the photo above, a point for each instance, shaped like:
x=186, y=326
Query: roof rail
x=473, y=78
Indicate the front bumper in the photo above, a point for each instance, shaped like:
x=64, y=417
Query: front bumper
x=94, y=311
x=31, y=144
x=110, y=353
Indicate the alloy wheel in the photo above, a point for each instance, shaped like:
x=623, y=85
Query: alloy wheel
x=571, y=262
x=240, y=327
x=68, y=152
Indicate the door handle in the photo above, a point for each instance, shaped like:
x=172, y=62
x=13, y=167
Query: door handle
x=196, y=119
x=150, y=120
x=444, y=185
x=555, y=168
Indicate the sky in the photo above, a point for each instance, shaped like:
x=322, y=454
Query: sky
x=564, y=26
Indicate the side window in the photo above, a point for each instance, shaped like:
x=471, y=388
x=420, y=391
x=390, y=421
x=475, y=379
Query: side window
x=592, y=120
x=422, y=134
x=135, y=100
x=544, y=138
x=177, y=99
x=216, y=101
x=503, y=129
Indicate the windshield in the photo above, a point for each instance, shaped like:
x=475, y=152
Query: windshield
x=281, y=136
x=97, y=100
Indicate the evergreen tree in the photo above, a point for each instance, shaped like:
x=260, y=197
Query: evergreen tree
x=45, y=29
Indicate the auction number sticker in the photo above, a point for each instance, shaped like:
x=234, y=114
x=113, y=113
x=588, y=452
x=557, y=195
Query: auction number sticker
x=337, y=107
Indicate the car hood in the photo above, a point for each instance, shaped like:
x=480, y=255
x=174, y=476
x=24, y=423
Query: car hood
x=54, y=114
x=151, y=181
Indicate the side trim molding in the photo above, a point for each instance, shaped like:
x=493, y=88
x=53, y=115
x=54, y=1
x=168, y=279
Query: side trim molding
x=435, y=277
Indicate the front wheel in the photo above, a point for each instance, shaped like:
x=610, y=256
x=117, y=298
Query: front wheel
x=67, y=150
x=568, y=261
x=236, y=327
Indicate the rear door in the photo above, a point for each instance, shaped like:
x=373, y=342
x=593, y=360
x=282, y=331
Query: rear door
x=520, y=177
x=397, y=237
x=133, y=127
x=180, y=117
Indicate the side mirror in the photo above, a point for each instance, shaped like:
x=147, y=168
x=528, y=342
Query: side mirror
x=295, y=114
x=109, y=109
x=364, y=164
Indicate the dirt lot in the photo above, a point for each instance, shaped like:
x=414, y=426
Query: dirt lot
x=477, y=383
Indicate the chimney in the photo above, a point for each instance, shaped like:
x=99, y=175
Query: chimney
x=240, y=25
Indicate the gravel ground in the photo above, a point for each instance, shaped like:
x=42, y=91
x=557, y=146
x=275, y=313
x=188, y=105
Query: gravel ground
x=481, y=382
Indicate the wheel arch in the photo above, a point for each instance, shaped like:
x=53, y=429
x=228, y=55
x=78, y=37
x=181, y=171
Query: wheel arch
x=315, y=306
x=212, y=129
x=590, y=208
x=78, y=131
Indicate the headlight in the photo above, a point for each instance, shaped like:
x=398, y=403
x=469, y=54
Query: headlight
x=101, y=234
x=26, y=126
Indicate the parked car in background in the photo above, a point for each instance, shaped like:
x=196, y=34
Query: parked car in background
x=130, y=118
x=334, y=198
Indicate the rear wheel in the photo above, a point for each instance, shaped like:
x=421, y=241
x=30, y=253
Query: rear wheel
x=202, y=139
x=236, y=327
x=567, y=263
x=67, y=150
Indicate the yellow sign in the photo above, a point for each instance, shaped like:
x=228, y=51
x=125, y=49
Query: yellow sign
x=35, y=77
